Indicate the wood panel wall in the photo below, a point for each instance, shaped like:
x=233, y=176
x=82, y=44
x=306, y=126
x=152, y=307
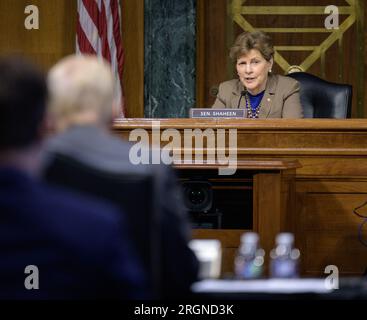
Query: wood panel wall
x=55, y=39
x=133, y=41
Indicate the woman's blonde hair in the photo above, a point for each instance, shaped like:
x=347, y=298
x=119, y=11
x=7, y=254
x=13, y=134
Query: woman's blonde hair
x=247, y=41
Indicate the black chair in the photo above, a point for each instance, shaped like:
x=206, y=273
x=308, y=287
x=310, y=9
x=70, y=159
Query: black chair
x=323, y=99
x=127, y=191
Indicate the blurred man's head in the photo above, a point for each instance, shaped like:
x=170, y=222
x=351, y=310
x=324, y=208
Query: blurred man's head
x=81, y=92
x=23, y=94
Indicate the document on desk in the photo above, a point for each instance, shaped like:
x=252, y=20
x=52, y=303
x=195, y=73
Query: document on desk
x=265, y=286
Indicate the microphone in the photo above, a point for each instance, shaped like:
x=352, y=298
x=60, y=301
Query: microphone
x=243, y=92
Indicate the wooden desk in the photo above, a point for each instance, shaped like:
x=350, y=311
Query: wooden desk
x=330, y=183
x=273, y=189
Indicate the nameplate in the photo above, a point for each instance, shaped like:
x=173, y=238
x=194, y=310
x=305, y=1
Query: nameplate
x=216, y=113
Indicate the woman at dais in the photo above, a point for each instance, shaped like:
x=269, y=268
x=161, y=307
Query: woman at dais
x=259, y=91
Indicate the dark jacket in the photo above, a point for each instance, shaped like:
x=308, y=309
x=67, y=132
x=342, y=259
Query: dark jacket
x=76, y=244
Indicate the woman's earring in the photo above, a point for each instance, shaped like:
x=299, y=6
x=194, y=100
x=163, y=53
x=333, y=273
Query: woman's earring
x=270, y=71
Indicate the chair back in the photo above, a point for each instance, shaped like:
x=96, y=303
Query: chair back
x=133, y=193
x=323, y=99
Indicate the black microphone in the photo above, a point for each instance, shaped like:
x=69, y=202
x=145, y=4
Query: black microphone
x=243, y=92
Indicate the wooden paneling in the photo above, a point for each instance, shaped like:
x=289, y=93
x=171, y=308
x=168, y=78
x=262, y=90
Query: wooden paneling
x=330, y=184
x=212, y=51
x=330, y=227
x=133, y=42
x=272, y=211
x=55, y=39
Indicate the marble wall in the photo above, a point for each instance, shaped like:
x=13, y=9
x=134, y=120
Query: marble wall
x=169, y=66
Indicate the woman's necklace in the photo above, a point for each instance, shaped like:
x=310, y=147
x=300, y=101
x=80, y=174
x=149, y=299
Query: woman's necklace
x=252, y=114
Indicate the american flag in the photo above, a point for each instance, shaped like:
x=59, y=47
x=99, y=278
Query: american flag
x=98, y=32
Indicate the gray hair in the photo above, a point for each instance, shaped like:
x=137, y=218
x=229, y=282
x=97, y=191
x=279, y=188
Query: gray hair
x=81, y=85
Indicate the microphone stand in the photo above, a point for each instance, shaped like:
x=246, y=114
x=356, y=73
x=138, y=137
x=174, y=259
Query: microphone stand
x=239, y=101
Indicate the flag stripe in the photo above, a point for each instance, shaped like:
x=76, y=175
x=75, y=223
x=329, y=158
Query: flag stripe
x=83, y=42
x=119, y=49
x=89, y=28
x=111, y=42
x=104, y=33
x=98, y=32
x=91, y=7
x=117, y=35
